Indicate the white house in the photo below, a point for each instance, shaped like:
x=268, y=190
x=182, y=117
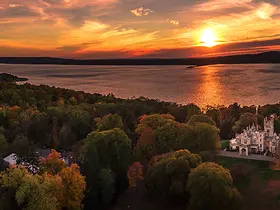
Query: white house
x=11, y=159
x=253, y=140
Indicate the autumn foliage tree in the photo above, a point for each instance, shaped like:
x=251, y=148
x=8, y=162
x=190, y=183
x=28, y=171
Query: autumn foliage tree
x=195, y=119
x=73, y=187
x=109, y=122
x=161, y=134
x=211, y=186
x=61, y=188
x=53, y=163
x=168, y=174
x=135, y=173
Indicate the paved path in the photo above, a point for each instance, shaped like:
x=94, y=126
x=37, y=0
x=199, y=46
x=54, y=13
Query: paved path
x=249, y=157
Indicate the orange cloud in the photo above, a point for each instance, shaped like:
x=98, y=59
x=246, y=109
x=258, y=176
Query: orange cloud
x=221, y=4
x=93, y=26
x=72, y=27
x=266, y=11
x=174, y=22
x=141, y=11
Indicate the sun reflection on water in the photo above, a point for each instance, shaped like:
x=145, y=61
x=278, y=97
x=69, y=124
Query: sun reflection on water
x=210, y=90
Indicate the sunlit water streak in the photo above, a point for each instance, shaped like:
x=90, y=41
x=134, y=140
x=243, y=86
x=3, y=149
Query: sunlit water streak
x=208, y=85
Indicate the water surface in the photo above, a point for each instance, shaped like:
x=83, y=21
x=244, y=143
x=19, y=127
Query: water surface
x=246, y=84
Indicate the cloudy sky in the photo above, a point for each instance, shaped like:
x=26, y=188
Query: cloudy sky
x=137, y=28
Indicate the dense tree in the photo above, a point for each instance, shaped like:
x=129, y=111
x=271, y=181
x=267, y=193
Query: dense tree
x=184, y=113
x=244, y=121
x=105, y=150
x=168, y=174
x=174, y=136
x=73, y=187
x=9, y=183
x=135, y=173
x=195, y=119
x=270, y=109
x=107, y=185
x=211, y=186
x=235, y=111
x=153, y=121
x=53, y=163
x=36, y=192
x=61, y=189
x=207, y=138
x=169, y=135
x=109, y=122
x=277, y=125
x=215, y=114
x=146, y=145
x=226, y=126
x=3, y=142
x=49, y=117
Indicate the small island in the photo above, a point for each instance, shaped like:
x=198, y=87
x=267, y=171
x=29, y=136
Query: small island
x=4, y=77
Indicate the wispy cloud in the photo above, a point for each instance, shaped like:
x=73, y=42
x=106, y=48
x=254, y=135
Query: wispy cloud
x=141, y=11
x=221, y=4
x=93, y=26
x=118, y=32
x=15, y=5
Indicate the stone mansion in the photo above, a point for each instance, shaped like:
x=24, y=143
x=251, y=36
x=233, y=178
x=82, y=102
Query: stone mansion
x=253, y=140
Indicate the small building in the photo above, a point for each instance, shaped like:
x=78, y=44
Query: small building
x=11, y=159
x=253, y=140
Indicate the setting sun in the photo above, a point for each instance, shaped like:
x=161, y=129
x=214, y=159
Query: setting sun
x=208, y=38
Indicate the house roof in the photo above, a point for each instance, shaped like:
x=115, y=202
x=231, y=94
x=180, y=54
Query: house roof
x=11, y=159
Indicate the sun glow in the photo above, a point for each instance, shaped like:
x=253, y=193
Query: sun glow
x=208, y=38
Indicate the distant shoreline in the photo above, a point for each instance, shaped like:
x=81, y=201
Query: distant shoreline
x=266, y=57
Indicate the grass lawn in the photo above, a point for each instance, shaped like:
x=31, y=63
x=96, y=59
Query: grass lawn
x=261, y=186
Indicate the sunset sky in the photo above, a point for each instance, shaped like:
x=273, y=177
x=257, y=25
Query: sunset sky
x=137, y=28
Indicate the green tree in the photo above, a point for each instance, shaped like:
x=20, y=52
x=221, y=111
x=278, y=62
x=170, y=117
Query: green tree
x=153, y=121
x=226, y=131
x=72, y=101
x=37, y=193
x=244, y=121
x=174, y=136
x=207, y=138
x=195, y=119
x=109, y=122
x=211, y=187
x=105, y=149
x=216, y=115
x=183, y=113
x=168, y=174
x=3, y=142
x=107, y=185
x=277, y=125
x=235, y=111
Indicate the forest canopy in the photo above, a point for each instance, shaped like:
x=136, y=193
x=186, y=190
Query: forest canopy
x=112, y=143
